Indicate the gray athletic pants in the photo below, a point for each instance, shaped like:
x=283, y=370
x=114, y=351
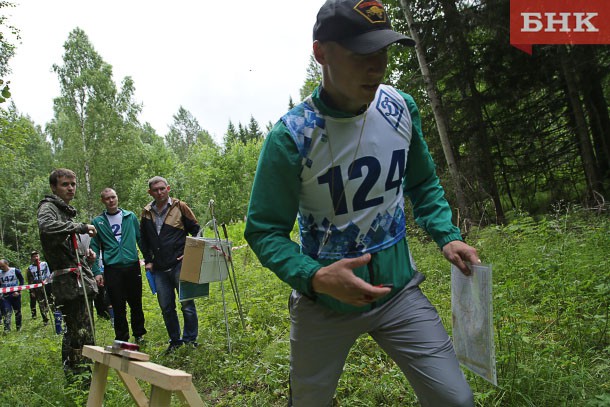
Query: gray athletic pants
x=407, y=328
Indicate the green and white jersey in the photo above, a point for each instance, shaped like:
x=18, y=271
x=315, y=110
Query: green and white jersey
x=351, y=182
x=350, y=174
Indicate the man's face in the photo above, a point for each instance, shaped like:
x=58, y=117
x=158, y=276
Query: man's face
x=110, y=201
x=34, y=258
x=4, y=266
x=160, y=192
x=350, y=79
x=65, y=188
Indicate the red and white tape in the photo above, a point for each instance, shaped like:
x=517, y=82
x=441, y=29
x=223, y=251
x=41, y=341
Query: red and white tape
x=19, y=288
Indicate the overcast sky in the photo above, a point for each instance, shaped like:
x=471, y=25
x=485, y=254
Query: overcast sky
x=223, y=60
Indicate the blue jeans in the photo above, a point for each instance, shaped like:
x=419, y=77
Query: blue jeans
x=167, y=283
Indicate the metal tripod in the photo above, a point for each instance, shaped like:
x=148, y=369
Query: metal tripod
x=228, y=262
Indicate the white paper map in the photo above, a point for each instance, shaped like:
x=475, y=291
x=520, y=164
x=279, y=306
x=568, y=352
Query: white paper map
x=472, y=316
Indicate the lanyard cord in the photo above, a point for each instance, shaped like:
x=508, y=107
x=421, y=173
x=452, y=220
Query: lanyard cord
x=328, y=231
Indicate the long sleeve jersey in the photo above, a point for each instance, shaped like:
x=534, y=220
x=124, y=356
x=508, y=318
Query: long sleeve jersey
x=345, y=178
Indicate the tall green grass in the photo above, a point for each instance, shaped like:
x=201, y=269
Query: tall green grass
x=551, y=302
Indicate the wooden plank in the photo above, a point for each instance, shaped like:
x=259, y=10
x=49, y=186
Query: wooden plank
x=129, y=354
x=160, y=397
x=190, y=397
x=99, y=379
x=137, y=394
x=156, y=375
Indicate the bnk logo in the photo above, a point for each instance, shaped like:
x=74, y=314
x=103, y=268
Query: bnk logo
x=562, y=22
x=558, y=22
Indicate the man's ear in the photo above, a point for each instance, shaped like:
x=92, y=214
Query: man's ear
x=319, y=52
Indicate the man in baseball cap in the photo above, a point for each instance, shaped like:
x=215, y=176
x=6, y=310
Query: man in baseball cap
x=360, y=26
x=345, y=160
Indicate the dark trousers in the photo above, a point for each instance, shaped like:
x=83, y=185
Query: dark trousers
x=124, y=286
x=11, y=302
x=101, y=303
x=33, y=303
x=49, y=290
x=78, y=333
x=39, y=297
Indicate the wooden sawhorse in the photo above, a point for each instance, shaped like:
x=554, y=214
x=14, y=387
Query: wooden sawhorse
x=163, y=380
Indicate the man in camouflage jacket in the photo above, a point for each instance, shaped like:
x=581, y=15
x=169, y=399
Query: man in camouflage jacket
x=56, y=226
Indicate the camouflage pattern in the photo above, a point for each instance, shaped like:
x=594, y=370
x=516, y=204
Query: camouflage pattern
x=77, y=333
x=39, y=297
x=56, y=226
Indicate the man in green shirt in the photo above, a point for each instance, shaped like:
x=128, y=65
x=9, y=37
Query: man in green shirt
x=343, y=161
x=116, y=240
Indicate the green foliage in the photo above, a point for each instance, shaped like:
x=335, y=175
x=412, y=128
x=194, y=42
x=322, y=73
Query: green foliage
x=551, y=302
x=5, y=92
x=95, y=131
x=184, y=132
x=313, y=78
x=25, y=156
x=7, y=50
x=225, y=176
x=551, y=292
x=519, y=102
x=243, y=134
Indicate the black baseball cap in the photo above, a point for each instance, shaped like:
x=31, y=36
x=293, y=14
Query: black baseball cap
x=362, y=26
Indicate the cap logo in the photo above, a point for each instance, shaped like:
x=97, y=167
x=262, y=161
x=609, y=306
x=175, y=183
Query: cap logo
x=371, y=10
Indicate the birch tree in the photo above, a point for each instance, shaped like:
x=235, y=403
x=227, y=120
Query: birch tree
x=95, y=128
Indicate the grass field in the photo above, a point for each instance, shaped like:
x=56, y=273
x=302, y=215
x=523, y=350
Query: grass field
x=551, y=302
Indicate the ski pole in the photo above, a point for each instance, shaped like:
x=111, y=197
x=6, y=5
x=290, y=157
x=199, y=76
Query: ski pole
x=82, y=283
x=234, y=280
x=222, y=287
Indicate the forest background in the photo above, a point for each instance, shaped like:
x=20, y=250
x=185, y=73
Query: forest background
x=517, y=139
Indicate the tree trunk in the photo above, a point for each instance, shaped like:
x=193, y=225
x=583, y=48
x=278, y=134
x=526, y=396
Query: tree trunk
x=586, y=149
x=504, y=172
x=597, y=108
x=439, y=114
x=474, y=105
x=83, y=134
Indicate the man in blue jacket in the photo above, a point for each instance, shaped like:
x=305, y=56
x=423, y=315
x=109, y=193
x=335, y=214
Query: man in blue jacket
x=118, y=233
x=343, y=162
